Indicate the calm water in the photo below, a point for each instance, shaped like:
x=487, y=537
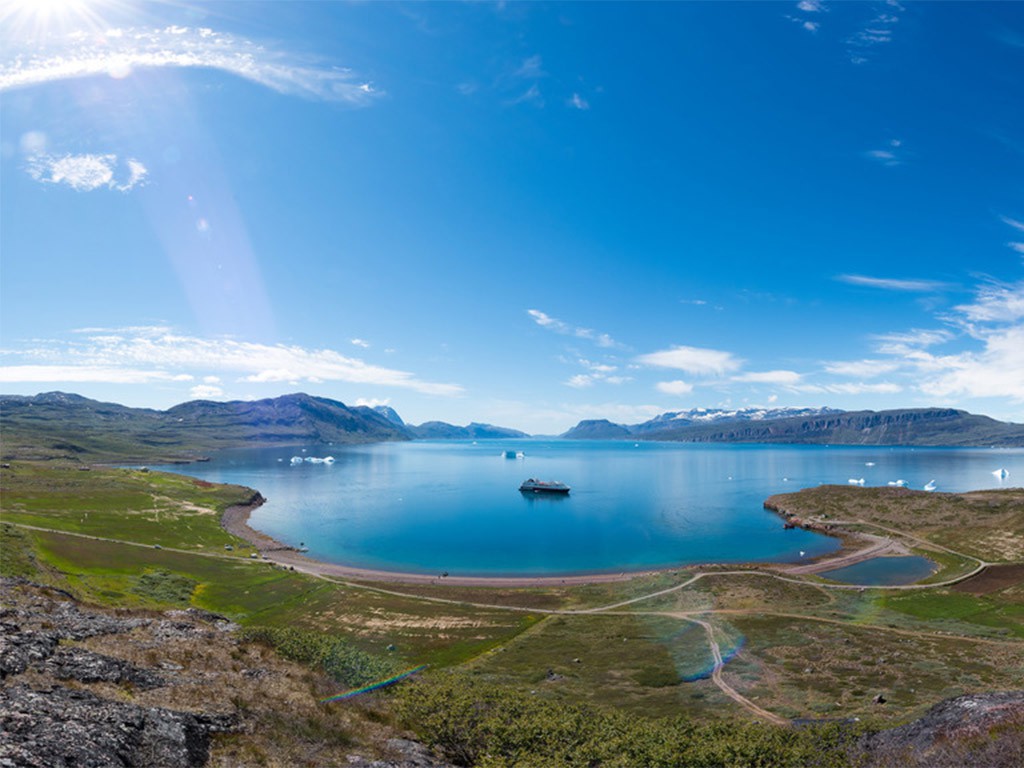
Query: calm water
x=454, y=506
x=884, y=571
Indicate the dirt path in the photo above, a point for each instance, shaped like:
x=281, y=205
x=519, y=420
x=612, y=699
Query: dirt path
x=728, y=690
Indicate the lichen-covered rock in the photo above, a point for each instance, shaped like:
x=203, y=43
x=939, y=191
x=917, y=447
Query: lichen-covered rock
x=976, y=729
x=88, y=667
x=62, y=727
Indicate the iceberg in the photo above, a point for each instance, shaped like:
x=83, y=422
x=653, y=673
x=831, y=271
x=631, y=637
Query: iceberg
x=1001, y=473
x=855, y=481
x=296, y=460
x=898, y=483
x=930, y=486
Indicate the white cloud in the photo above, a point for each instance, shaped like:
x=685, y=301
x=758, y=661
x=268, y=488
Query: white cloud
x=138, y=355
x=900, y=343
x=877, y=31
x=360, y=343
x=890, y=284
x=770, y=377
x=693, y=360
x=545, y=320
x=810, y=6
x=205, y=391
x=578, y=102
x=995, y=371
x=677, y=387
x=862, y=369
x=211, y=379
x=84, y=173
x=121, y=51
x=1018, y=247
x=1018, y=225
x=373, y=402
x=531, y=68
x=996, y=303
x=79, y=374
x=581, y=380
x=531, y=95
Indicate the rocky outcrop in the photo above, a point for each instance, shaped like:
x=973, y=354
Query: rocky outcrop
x=57, y=727
x=977, y=729
x=52, y=725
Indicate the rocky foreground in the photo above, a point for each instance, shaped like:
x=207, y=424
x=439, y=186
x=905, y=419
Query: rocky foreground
x=83, y=687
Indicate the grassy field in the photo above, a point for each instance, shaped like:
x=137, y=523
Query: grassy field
x=987, y=525
x=797, y=649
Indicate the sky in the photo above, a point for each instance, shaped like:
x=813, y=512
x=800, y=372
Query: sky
x=525, y=214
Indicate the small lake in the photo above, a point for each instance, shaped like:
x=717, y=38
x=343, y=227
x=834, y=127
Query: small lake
x=884, y=571
x=436, y=506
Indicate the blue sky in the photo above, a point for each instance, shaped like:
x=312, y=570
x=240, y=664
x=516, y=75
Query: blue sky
x=523, y=214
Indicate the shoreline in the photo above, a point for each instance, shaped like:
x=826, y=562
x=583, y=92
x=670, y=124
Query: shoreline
x=235, y=520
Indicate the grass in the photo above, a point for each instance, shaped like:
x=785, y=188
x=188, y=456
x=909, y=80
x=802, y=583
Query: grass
x=649, y=664
x=836, y=669
x=146, y=507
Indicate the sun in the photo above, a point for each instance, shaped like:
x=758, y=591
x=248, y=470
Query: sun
x=32, y=20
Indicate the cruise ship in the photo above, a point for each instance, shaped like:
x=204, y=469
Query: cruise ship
x=543, y=486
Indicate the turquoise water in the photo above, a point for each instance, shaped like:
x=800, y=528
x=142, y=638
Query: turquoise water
x=454, y=506
x=884, y=571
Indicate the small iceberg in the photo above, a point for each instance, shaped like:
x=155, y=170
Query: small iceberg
x=316, y=460
x=855, y=481
x=296, y=460
x=930, y=486
x=898, y=483
x=1001, y=473
x=869, y=463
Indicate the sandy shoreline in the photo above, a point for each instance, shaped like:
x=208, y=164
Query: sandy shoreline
x=235, y=520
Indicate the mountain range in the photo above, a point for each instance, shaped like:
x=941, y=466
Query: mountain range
x=57, y=424
x=906, y=426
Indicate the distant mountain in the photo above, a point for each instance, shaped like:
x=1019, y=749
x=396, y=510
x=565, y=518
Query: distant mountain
x=598, y=429
x=602, y=429
x=917, y=426
x=439, y=430
x=676, y=419
x=390, y=414
x=60, y=424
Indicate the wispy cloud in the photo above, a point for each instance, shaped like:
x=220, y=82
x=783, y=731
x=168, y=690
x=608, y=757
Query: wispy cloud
x=995, y=303
x=531, y=95
x=85, y=173
x=578, y=102
x=891, y=284
x=532, y=68
x=677, y=387
x=1017, y=225
x=360, y=343
x=118, y=52
x=890, y=156
x=785, y=378
x=139, y=356
x=205, y=392
x=862, y=369
x=545, y=320
x=808, y=7
x=693, y=360
x=877, y=31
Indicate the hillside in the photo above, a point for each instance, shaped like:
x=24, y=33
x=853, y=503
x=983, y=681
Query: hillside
x=58, y=424
x=917, y=427
x=440, y=430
